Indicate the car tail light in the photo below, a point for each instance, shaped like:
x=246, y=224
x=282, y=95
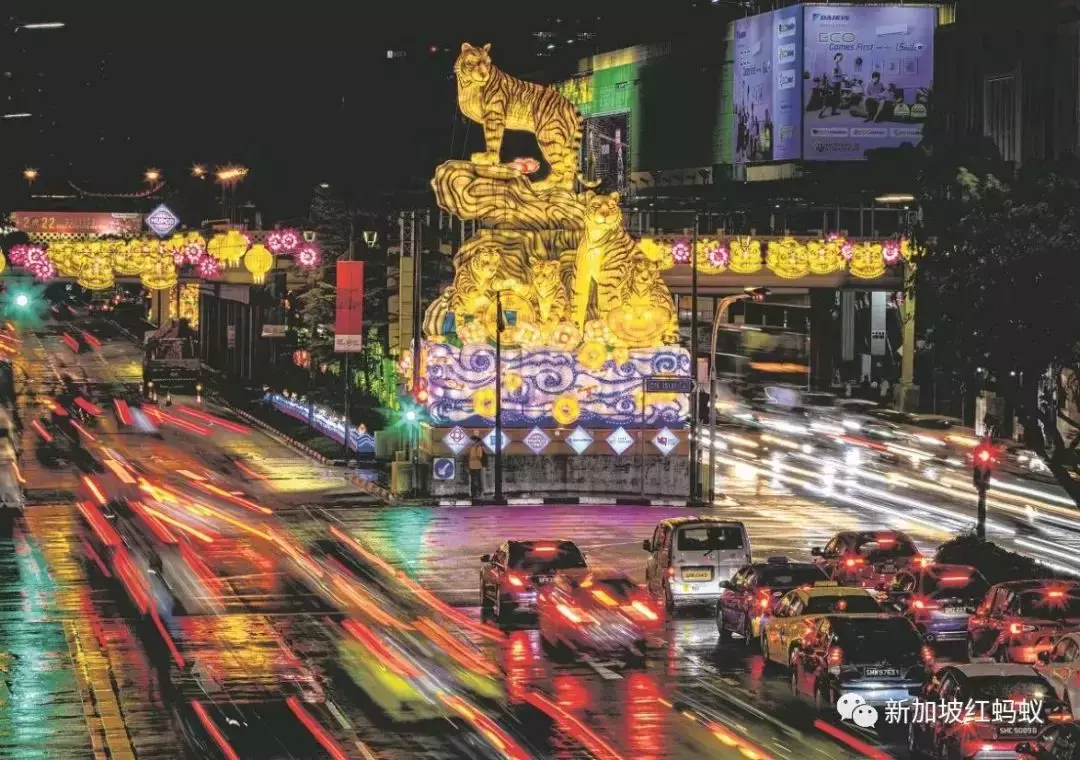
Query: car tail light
x=671, y=572
x=982, y=609
x=1060, y=716
x=920, y=561
x=573, y=615
x=1055, y=594
x=927, y=655
x=642, y=610
x=836, y=656
x=516, y=580
x=924, y=605
x=764, y=599
x=1018, y=628
x=604, y=598
x=854, y=562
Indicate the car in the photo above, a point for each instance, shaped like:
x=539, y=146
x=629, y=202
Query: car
x=782, y=633
x=1017, y=619
x=866, y=558
x=938, y=598
x=976, y=733
x=510, y=578
x=690, y=556
x=747, y=600
x=1059, y=741
x=879, y=657
x=1061, y=663
x=596, y=611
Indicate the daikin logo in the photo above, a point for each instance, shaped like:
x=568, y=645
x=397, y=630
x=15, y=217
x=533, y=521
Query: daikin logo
x=829, y=18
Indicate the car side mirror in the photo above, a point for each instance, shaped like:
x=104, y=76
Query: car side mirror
x=726, y=585
x=485, y=558
x=816, y=551
x=646, y=545
x=1044, y=657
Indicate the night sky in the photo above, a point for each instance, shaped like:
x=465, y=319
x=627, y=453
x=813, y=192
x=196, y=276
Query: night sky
x=301, y=95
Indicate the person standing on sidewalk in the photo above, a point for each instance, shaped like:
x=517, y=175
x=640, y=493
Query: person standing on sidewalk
x=476, y=468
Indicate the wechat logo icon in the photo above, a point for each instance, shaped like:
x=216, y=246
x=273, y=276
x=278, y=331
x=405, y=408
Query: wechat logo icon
x=854, y=708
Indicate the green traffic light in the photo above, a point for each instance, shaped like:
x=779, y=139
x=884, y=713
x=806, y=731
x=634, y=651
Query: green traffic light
x=22, y=300
x=411, y=415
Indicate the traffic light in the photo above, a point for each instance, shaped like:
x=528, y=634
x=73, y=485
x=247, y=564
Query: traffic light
x=757, y=295
x=420, y=393
x=984, y=459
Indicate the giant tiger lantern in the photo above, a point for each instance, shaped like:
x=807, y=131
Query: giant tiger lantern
x=592, y=318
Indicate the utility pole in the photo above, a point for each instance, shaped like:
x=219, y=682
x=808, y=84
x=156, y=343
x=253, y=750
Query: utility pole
x=695, y=427
x=348, y=380
x=983, y=459
x=499, y=327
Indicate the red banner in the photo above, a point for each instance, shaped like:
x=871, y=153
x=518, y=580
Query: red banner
x=349, y=316
x=76, y=223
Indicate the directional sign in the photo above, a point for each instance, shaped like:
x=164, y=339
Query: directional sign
x=537, y=440
x=669, y=385
x=579, y=440
x=666, y=441
x=489, y=441
x=456, y=440
x=444, y=468
x=162, y=220
x=620, y=441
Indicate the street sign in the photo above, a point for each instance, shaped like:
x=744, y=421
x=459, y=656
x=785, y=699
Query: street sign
x=620, y=441
x=510, y=318
x=162, y=221
x=489, y=441
x=537, y=440
x=230, y=336
x=666, y=441
x=669, y=385
x=456, y=440
x=273, y=331
x=579, y=440
x=444, y=468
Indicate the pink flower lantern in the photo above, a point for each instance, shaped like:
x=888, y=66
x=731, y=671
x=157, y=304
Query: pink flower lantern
x=718, y=256
x=308, y=256
x=283, y=241
x=39, y=264
x=847, y=250
x=207, y=267
x=890, y=251
x=680, y=251
x=17, y=254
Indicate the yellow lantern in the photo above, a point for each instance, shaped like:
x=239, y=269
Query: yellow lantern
x=867, y=261
x=3, y=262
x=745, y=256
x=59, y=253
x=96, y=273
x=228, y=248
x=258, y=261
x=127, y=258
x=159, y=272
x=788, y=258
x=70, y=259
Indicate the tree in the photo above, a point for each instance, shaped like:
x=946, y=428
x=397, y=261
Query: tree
x=997, y=286
x=329, y=219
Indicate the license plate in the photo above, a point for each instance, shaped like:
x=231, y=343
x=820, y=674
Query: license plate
x=881, y=672
x=956, y=611
x=1020, y=730
x=542, y=580
x=696, y=575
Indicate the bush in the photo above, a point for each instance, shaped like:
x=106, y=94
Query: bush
x=996, y=564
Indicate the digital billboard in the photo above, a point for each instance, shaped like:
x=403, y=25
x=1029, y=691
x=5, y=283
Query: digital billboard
x=867, y=72
x=768, y=53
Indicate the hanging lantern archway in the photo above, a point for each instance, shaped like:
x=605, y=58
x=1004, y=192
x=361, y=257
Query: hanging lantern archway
x=127, y=258
x=258, y=261
x=159, y=273
x=228, y=248
x=96, y=273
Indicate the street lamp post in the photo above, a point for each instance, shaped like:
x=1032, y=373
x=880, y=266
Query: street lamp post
x=499, y=327
x=695, y=427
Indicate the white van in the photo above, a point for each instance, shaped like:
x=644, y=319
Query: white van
x=690, y=556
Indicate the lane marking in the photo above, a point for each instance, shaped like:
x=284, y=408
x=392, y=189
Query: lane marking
x=601, y=668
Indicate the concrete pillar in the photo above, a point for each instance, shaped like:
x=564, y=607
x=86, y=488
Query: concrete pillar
x=847, y=325
x=821, y=337
x=907, y=393
x=159, y=306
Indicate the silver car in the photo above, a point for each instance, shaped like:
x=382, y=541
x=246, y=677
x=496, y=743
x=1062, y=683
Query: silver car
x=690, y=556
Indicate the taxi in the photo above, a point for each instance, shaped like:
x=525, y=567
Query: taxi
x=783, y=632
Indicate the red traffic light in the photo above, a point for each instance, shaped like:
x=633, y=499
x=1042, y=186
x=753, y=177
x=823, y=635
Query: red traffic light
x=984, y=456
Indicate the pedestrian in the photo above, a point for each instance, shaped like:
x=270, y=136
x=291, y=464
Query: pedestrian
x=476, y=468
x=884, y=388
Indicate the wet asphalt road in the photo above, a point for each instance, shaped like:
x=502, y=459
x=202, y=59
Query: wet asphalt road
x=90, y=681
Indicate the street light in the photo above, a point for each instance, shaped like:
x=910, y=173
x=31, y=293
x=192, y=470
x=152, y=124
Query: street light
x=30, y=174
x=152, y=175
x=42, y=25
x=755, y=294
x=198, y=170
x=19, y=115
x=22, y=300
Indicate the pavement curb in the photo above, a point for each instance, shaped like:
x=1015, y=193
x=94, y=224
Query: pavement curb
x=613, y=500
x=309, y=452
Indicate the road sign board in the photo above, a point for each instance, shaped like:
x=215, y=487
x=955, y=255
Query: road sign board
x=274, y=331
x=456, y=440
x=666, y=441
x=620, y=441
x=579, y=440
x=444, y=468
x=669, y=385
x=537, y=440
x=162, y=220
x=489, y=441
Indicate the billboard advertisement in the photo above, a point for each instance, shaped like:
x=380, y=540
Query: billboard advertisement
x=867, y=71
x=768, y=55
x=77, y=222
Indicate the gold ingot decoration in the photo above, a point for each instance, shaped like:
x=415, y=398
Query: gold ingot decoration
x=96, y=273
x=258, y=260
x=745, y=256
x=592, y=355
x=70, y=260
x=867, y=261
x=825, y=257
x=788, y=258
x=60, y=254
x=159, y=272
x=228, y=248
x=127, y=259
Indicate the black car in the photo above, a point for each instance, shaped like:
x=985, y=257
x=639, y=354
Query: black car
x=1060, y=741
x=510, y=578
x=747, y=600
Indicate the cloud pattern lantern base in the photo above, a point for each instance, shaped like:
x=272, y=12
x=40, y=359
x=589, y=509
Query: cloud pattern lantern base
x=589, y=315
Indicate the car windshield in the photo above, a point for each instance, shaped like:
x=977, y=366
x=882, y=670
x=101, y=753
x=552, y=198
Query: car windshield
x=962, y=584
x=892, y=640
x=543, y=557
x=874, y=546
x=1015, y=688
x=789, y=576
x=1040, y=604
x=701, y=538
x=849, y=603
